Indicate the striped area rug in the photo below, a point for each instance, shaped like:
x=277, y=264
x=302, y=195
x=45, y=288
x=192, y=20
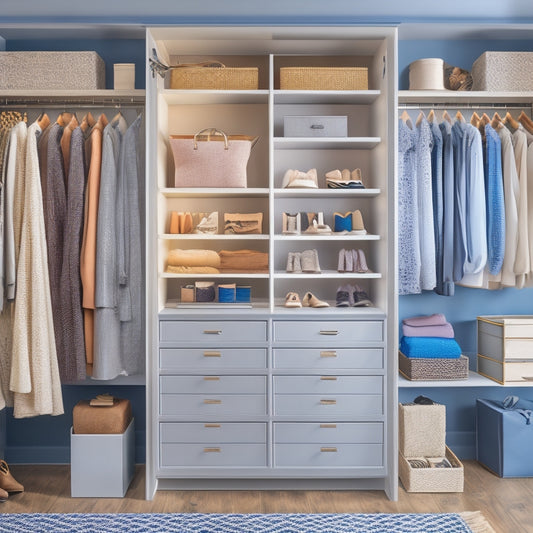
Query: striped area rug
x=244, y=523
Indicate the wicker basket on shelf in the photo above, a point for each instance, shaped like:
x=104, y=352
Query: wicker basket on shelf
x=324, y=78
x=214, y=76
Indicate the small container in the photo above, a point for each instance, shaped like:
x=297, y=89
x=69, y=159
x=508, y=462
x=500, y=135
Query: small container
x=243, y=293
x=426, y=74
x=124, y=76
x=315, y=126
x=187, y=293
x=226, y=293
x=205, y=291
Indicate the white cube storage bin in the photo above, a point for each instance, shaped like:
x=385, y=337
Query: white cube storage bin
x=102, y=465
x=503, y=71
x=315, y=126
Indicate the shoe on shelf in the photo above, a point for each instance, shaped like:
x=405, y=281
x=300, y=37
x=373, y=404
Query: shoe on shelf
x=297, y=263
x=358, y=226
x=318, y=229
x=291, y=224
x=343, y=296
x=309, y=261
x=360, y=298
x=3, y=496
x=290, y=262
x=208, y=224
x=362, y=267
x=342, y=222
x=349, y=261
x=310, y=300
x=296, y=179
x=292, y=300
x=7, y=481
x=341, y=265
x=337, y=179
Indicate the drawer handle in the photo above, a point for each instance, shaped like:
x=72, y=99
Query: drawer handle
x=212, y=354
x=328, y=426
x=212, y=425
x=327, y=449
x=328, y=402
x=213, y=331
x=527, y=378
x=317, y=126
x=211, y=378
x=213, y=402
x=328, y=353
x=212, y=450
x=329, y=332
x=328, y=378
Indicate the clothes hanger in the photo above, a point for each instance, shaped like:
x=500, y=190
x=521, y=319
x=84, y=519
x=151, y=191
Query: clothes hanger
x=446, y=116
x=485, y=119
x=43, y=121
x=508, y=119
x=475, y=120
x=64, y=118
x=421, y=116
x=496, y=120
x=526, y=122
x=431, y=116
x=405, y=117
x=459, y=117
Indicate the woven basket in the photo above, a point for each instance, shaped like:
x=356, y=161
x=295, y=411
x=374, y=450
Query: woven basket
x=324, y=78
x=432, y=479
x=222, y=78
x=422, y=369
x=422, y=430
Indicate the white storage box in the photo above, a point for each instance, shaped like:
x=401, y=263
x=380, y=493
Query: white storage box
x=422, y=430
x=426, y=74
x=102, y=465
x=315, y=126
x=51, y=70
x=503, y=71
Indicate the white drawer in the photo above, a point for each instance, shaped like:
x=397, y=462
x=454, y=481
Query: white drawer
x=215, y=358
x=317, y=358
x=328, y=384
x=323, y=432
x=213, y=406
x=506, y=372
x=184, y=331
x=213, y=432
x=328, y=331
x=328, y=455
x=191, y=455
x=328, y=406
x=213, y=384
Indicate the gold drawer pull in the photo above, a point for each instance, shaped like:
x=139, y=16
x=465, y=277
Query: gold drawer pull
x=213, y=331
x=212, y=354
x=328, y=426
x=213, y=402
x=328, y=378
x=211, y=425
x=328, y=353
x=329, y=332
x=211, y=378
x=328, y=402
x=212, y=450
x=326, y=449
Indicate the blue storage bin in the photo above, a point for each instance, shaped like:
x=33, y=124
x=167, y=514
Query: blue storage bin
x=504, y=439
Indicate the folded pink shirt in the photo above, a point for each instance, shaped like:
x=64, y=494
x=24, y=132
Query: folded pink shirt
x=441, y=330
x=436, y=319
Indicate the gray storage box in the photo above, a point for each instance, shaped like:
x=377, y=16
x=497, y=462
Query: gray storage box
x=51, y=70
x=503, y=71
x=315, y=126
x=102, y=465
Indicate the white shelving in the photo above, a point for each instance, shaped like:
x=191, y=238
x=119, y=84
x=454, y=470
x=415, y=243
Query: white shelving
x=326, y=143
x=326, y=193
x=464, y=97
x=325, y=237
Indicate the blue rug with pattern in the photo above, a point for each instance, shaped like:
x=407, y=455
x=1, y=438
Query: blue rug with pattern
x=232, y=523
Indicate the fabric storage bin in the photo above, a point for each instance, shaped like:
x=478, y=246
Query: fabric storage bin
x=315, y=126
x=323, y=78
x=432, y=479
x=426, y=74
x=504, y=439
x=422, y=430
x=421, y=369
x=88, y=419
x=503, y=71
x=102, y=466
x=51, y=70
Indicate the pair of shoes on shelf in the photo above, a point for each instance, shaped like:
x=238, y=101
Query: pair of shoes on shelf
x=352, y=296
x=318, y=229
x=352, y=261
x=349, y=222
x=344, y=179
x=309, y=300
x=180, y=222
x=7, y=482
x=294, y=224
x=296, y=179
x=306, y=261
x=208, y=224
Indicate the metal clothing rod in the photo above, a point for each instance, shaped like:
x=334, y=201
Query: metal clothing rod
x=67, y=103
x=464, y=105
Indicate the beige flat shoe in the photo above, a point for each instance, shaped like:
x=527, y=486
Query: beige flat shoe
x=7, y=481
x=310, y=300
x=292, y=300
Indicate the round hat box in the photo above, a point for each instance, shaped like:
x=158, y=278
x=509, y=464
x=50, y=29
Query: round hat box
x=426, y=74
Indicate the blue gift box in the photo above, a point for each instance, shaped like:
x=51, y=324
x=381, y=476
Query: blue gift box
x=504, y=438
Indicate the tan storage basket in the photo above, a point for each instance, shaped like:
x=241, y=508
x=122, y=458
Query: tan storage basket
x=433, y=369
x=422, y=430
x=218, y=77
x=432, y=479
x=324, y=78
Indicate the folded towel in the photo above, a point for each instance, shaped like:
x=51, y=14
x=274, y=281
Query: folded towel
x=430, y=347
x=243, y=260
x=193, y=258
x=173, y=269
x=432, y=320
x=442, y=330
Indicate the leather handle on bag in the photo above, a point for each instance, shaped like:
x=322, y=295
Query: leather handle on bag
x=210, y=131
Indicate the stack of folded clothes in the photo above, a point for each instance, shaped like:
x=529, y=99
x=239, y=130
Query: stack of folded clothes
x=430, y=340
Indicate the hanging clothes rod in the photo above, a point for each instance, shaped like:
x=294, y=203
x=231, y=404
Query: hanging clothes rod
x=465, y=105
x=57, y=103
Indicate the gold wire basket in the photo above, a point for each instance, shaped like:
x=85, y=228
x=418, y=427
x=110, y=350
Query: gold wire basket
x=324, y=78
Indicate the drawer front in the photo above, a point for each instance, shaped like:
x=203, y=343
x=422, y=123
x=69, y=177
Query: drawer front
x=522, y=331
x=356, y=358
x=328, y=455
x=328, y=406
x=191, y=455
x=184, y=331
x=339, y=432
x=213, y=406
x=328, y=384
x=213, y=384
x=216, y=358
x=213, y=432
x=518, y=349
x=491, y=369
x=328, y=331
x=518, y=372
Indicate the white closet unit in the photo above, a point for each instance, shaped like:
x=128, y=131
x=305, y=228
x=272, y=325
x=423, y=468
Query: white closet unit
x=267, y=396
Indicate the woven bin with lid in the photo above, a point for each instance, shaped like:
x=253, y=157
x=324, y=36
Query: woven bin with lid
x=217, y=77
x=323, y=78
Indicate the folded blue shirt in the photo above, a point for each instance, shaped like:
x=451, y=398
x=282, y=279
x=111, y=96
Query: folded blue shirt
x=430, y=347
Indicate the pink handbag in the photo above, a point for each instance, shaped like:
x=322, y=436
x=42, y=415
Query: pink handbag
x=210, y=158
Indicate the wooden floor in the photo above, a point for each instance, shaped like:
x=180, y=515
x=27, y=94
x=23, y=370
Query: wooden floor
x=505, y=503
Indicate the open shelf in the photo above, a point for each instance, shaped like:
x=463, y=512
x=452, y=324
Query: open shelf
x=201, y=192
x=325, y=97
x=326, y=193
x=326, y=143
x=328, y=274
x=474, y=380
x=216, y=237
x=313, y=237
x=240, y=275
x=183, y=96
x=464, y=97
